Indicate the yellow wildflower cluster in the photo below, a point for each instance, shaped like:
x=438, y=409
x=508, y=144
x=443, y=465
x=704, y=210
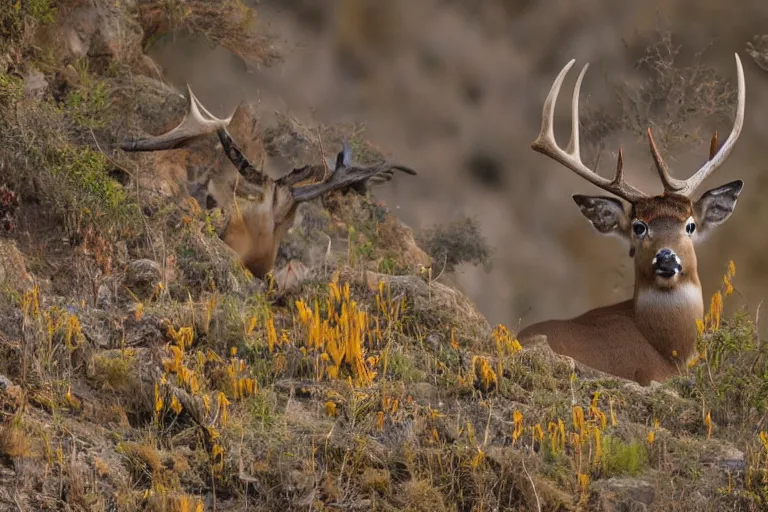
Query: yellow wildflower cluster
x=54, y=325
x=764, y=441
x=506, y=344
x=187, y=504
x=191, y=370
x=517, y=418
x=185, y=376
x=389, y=407
x=237, y=383
x=241, y=385
x=338, y=337
x=652, y=432
x=583, y=440
x=481, y=370
x=711, y=321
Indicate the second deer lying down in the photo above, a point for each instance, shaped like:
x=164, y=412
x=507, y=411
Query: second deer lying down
x=651, y=336
x=259, y=210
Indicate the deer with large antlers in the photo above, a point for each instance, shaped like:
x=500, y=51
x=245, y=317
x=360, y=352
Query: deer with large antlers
x=259, y=210
x=651, y=336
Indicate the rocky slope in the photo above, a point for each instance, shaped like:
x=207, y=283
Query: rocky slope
x=142, y=368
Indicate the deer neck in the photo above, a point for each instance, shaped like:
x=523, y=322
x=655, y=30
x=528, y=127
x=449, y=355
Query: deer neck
x=667, y=317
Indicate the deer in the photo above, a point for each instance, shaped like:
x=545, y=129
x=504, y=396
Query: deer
x=652, y=336
x=259, y=210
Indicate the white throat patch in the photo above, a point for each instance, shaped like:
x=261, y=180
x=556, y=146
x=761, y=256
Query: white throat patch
x=684, y=295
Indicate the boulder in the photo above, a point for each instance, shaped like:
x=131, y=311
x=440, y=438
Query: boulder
x=623, y=495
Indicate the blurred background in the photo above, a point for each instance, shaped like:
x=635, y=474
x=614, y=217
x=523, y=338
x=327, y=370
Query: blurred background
x=454, y=89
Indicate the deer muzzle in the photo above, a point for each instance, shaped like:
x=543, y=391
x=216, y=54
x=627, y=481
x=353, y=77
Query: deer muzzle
x=666, y=263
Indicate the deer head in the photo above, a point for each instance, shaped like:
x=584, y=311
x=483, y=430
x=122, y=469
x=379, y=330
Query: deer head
x=260, y=210
x=661, y=230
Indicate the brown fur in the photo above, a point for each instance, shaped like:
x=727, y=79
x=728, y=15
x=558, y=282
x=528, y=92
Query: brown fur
x=652, y=336
x=670, y=206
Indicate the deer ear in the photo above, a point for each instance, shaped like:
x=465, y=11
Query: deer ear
x=716, y=205
x=607, y=214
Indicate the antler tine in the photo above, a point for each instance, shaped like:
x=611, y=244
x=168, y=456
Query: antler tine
x=546, y=144
x=670, y=184
x=713, y=146
x=197, y=121
x=574, y=144
x=718, y=158
x=619, y=167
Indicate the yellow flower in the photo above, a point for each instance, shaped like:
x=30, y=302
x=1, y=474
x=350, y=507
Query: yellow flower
x=518, y=420
x=708, y=423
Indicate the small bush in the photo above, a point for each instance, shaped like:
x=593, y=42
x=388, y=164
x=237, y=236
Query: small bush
x=86, y=192
x=15, y=14
x=458, y=242
x=622, y=458
x=11, y=89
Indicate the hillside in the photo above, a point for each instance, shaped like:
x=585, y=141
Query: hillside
x=142, y=368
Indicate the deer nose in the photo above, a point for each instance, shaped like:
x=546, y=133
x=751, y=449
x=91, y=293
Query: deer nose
x=666, y=263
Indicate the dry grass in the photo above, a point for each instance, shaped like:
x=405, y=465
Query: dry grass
x=228, y=23
x=370, y=385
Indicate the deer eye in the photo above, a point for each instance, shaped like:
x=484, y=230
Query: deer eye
x=690, y=228
x=640, y=228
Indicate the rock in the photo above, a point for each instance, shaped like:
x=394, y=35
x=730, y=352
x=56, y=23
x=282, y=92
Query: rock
x=291, y=275
x=76, y=32
x=727, y=458
x=142, y=277
x=13, y=270
x=437, y=304
x=623, y=494
x=145, y=332
x=35, y=84
x=104, y=296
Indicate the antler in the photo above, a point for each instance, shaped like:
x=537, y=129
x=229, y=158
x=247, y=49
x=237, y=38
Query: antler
x=343, y=175
x=570, y=157
x=686, y=187
x=198, y=122
x=545, y=143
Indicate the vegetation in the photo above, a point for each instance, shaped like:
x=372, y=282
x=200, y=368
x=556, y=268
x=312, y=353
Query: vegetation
x=142, y=369
x=458, y=242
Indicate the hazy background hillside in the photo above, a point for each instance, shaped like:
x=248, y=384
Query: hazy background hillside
x=455, y=89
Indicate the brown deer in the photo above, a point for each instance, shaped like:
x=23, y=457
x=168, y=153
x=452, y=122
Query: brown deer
x=259, y=210
x=652, y=336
